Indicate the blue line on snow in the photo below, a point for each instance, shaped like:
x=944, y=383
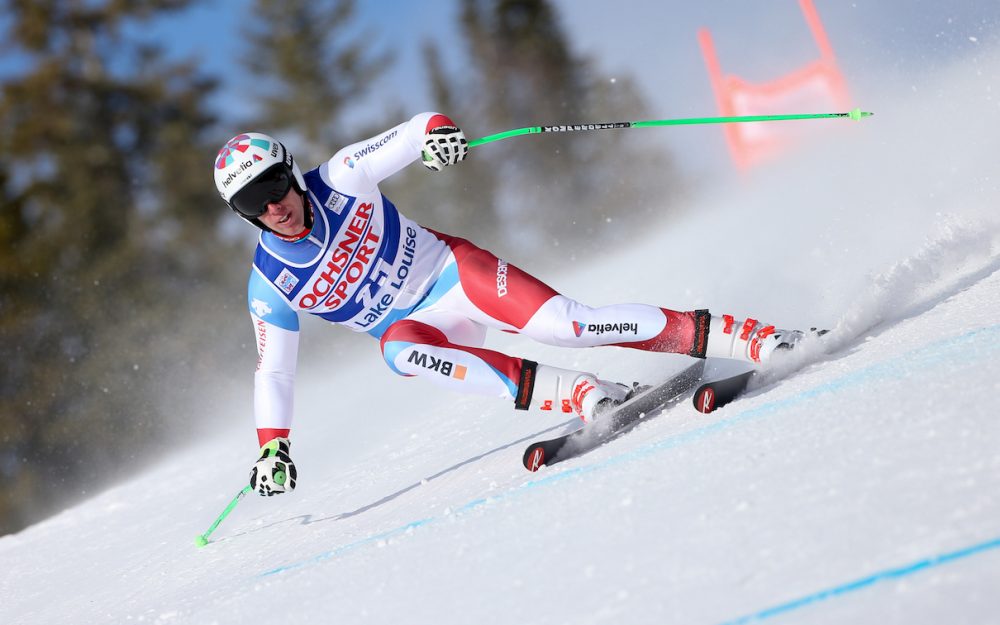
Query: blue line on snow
x=864, y=582
x=350, y=547
x=969, y=347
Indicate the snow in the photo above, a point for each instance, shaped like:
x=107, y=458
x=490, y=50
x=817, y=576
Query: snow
x=862, y=488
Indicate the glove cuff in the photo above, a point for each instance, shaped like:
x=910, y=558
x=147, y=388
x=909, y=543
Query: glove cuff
x=276, y=447
x=437, y=122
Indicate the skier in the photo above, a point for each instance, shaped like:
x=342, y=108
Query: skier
x=333, y=246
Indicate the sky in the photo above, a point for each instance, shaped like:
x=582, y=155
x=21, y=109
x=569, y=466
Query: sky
x=211, y=33
x=879, y=45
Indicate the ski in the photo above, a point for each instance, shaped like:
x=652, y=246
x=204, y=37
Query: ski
x=717, y=393
x=615, y=422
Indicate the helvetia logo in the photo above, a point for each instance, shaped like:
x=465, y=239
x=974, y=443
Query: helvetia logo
x=233, y=175
x=600, y=328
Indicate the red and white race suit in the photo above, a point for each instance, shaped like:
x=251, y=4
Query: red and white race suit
x=429, y=297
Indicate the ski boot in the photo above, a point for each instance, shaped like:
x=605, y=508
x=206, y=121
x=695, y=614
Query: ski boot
x=750, y=340
x=579, y=392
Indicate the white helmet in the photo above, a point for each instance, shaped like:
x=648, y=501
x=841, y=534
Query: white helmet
x=253, y=169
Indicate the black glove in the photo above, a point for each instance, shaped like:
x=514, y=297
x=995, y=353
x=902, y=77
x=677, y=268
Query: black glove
x=275, y=472
x=444, y=144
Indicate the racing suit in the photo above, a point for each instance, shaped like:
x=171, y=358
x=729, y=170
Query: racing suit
x=427, y=296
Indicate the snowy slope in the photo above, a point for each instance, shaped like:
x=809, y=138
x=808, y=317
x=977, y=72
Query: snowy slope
x=863, y=488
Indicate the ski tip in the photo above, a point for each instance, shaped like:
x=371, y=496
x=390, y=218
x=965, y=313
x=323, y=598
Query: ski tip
x=200, y=541
x=704, y=399
x=534, y=458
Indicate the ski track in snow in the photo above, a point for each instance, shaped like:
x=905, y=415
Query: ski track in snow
x=896, y=293
x=925, y=360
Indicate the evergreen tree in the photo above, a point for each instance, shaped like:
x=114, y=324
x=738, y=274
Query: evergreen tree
x=458, y=200
x=577, y=191
x=313, y=71
x=107, y=230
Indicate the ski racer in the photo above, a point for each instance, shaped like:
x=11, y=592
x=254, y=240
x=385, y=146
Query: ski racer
x=333, y=246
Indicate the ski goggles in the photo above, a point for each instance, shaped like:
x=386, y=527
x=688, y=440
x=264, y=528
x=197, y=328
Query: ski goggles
x=268, y=188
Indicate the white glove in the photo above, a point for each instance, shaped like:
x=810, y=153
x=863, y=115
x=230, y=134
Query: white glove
x=444, y=144
x=275, y=472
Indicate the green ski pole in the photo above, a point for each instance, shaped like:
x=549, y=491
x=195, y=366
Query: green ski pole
x=856, y=115
x=202, y=539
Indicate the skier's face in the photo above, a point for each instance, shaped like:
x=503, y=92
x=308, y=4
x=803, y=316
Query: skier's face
x=286, y=216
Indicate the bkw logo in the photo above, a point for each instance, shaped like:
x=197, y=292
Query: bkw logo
x=440, y=365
